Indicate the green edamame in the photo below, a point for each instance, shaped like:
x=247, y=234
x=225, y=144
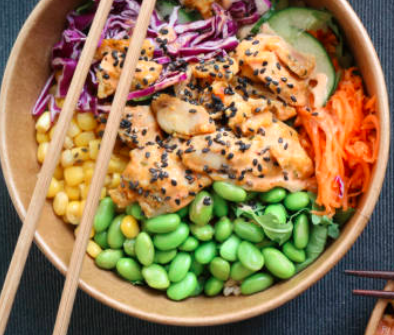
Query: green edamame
x=228, y=249
x=203, y=233
x=172, y=240
x=220, y=206
x=250, y=256
x=201, y=209
x=156, y=277
x=213, y=287
x=101, y=239
x=273, y=196
x=129, y=247
x=179, y=267
x=296, y=201
x=135, y=211
x=144, y=249
x=229, y=191
x=199, y=287
x=196, y=267
x=162, y=224
x=256, y=283
x=183, y=289
x=301, y=231
x=220, y=268
x=238, y=272
x=129, y=269
x=279, y=211
x=278, y=264
x=190, y=244
x=107, y=259
x=251, y=196
x=205, y=252
x=223, y=229
x=183, y=212
x=104, y=215
x=164, y=257
x=294, y=254
x=248, y=231
x=115, y=237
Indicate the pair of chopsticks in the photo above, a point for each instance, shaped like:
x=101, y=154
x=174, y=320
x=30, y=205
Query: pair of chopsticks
x=388, y=275
x=39, y=195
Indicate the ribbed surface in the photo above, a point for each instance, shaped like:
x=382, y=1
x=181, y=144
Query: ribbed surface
x=326, y=308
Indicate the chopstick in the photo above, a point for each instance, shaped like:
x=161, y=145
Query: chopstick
x=33, y=214
x=375, y=294
x=106, y=148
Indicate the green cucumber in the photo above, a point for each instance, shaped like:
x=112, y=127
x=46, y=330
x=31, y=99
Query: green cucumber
x=166, y=7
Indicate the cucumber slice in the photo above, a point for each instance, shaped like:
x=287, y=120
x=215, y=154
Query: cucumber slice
x=166, y=7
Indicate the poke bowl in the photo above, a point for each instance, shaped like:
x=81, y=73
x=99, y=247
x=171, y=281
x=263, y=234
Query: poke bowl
x=249, y=159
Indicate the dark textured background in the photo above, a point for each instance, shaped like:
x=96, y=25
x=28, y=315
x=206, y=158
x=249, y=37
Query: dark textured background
x=326, y=308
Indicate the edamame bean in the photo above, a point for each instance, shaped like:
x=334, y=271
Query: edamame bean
x=296, y=201
x=199, y=287
x=256, y=283
x=164, y=257
x=201, y=209
x=203, y=233
x=196, y=267
x=251, y=196
x=301, y=231
x=220, y=268
x=238, y=272
x=279, y=211
x=129, y=247
x=223, y=229
x=273, y=196
x=129, y=269
x=278, y=264
x=229, y=191
x=115, y=237
x=183, y=212
x=294, y=254
x=213, y=287
x=179, y=267
x=250, y=256
x=220, y=206
x=190, y=244
x=183, y=289
x=205, y=252
x=156, y=277
x=135, y=211
x=162, y=224
x=101, y=239
x=228, y=249
x=104, y=215
x=248, y=231
x=107, y=259
x=144, y=249
x=172, y=240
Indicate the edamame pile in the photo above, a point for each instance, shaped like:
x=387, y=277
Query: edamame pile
x=225, y=238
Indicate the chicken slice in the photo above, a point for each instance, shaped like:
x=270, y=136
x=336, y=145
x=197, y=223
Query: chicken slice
x=203, y=6
x=181, y=118
x=220, y=68
x=109, y=45
x=156, y=178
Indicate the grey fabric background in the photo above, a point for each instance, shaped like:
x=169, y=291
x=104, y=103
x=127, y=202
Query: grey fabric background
x=325, y=309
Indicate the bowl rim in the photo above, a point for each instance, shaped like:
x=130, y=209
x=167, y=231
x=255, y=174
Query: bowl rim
x=325, y=266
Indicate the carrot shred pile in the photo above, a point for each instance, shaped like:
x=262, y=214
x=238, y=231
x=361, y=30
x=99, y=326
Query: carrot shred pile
x=343, y=140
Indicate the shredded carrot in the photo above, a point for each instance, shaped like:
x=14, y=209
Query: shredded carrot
x=343, y=140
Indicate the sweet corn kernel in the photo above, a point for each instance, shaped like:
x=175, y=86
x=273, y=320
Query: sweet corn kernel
x=54, y=188
x=42, y=151
x=76, y=231
x=67, y=158
x=44, y=122
x=58, y=174
x=74, y=175
x=88, y=175
x=80, y=154
x=116, y=164
x=93, y=249
x=52, y=132
x=72, y=192
x=86, y=121
x=103, y=193
x=60, y=203
x=68, y=143
x=88, y=165
x=107, y=180
x=83, y=139
x=73, y=212
x=42, y=137
x=115, y=180
x=84, y=190
x=94, y=147
x=129, y=227
x=62, y=184
x=73, y=130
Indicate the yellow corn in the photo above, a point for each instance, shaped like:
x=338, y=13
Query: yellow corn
x=84, y=189
x=80, y=154
x=60, y=203
x=103, y=193
x=88, y=175
x=52, y=132
x=88, y=165
x=93, y=249
x=76, y=231
x=129, y=227
x=58, y=174
x=73, y=130
x=42, y=137
x=83, y=139
x=54, y=188
x=107, y=180
x=72, y=192
x=116, y=164
x=42, y=151
x=73, y=212
x=115, y=181
x=86, y=121
x=74, y=175
x=62, y=184
x=94, y=147
x=67, y=158
x=44, y=122
x=68, y=143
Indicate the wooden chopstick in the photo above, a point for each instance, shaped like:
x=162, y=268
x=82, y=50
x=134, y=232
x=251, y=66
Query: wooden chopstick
x=44, y=178
x=106, y=148
x=375, y=294
x=389, y=275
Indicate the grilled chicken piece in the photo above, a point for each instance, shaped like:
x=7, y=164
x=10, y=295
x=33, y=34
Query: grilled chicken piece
x=270, y=60
x=139, y=126
x=157, y=179
x=109, y=45
x=203, y=6
x=220, y=68
x=181, y=118
x=273, y=158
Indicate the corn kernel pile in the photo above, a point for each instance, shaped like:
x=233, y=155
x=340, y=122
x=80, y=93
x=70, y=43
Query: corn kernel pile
x=70, y=183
